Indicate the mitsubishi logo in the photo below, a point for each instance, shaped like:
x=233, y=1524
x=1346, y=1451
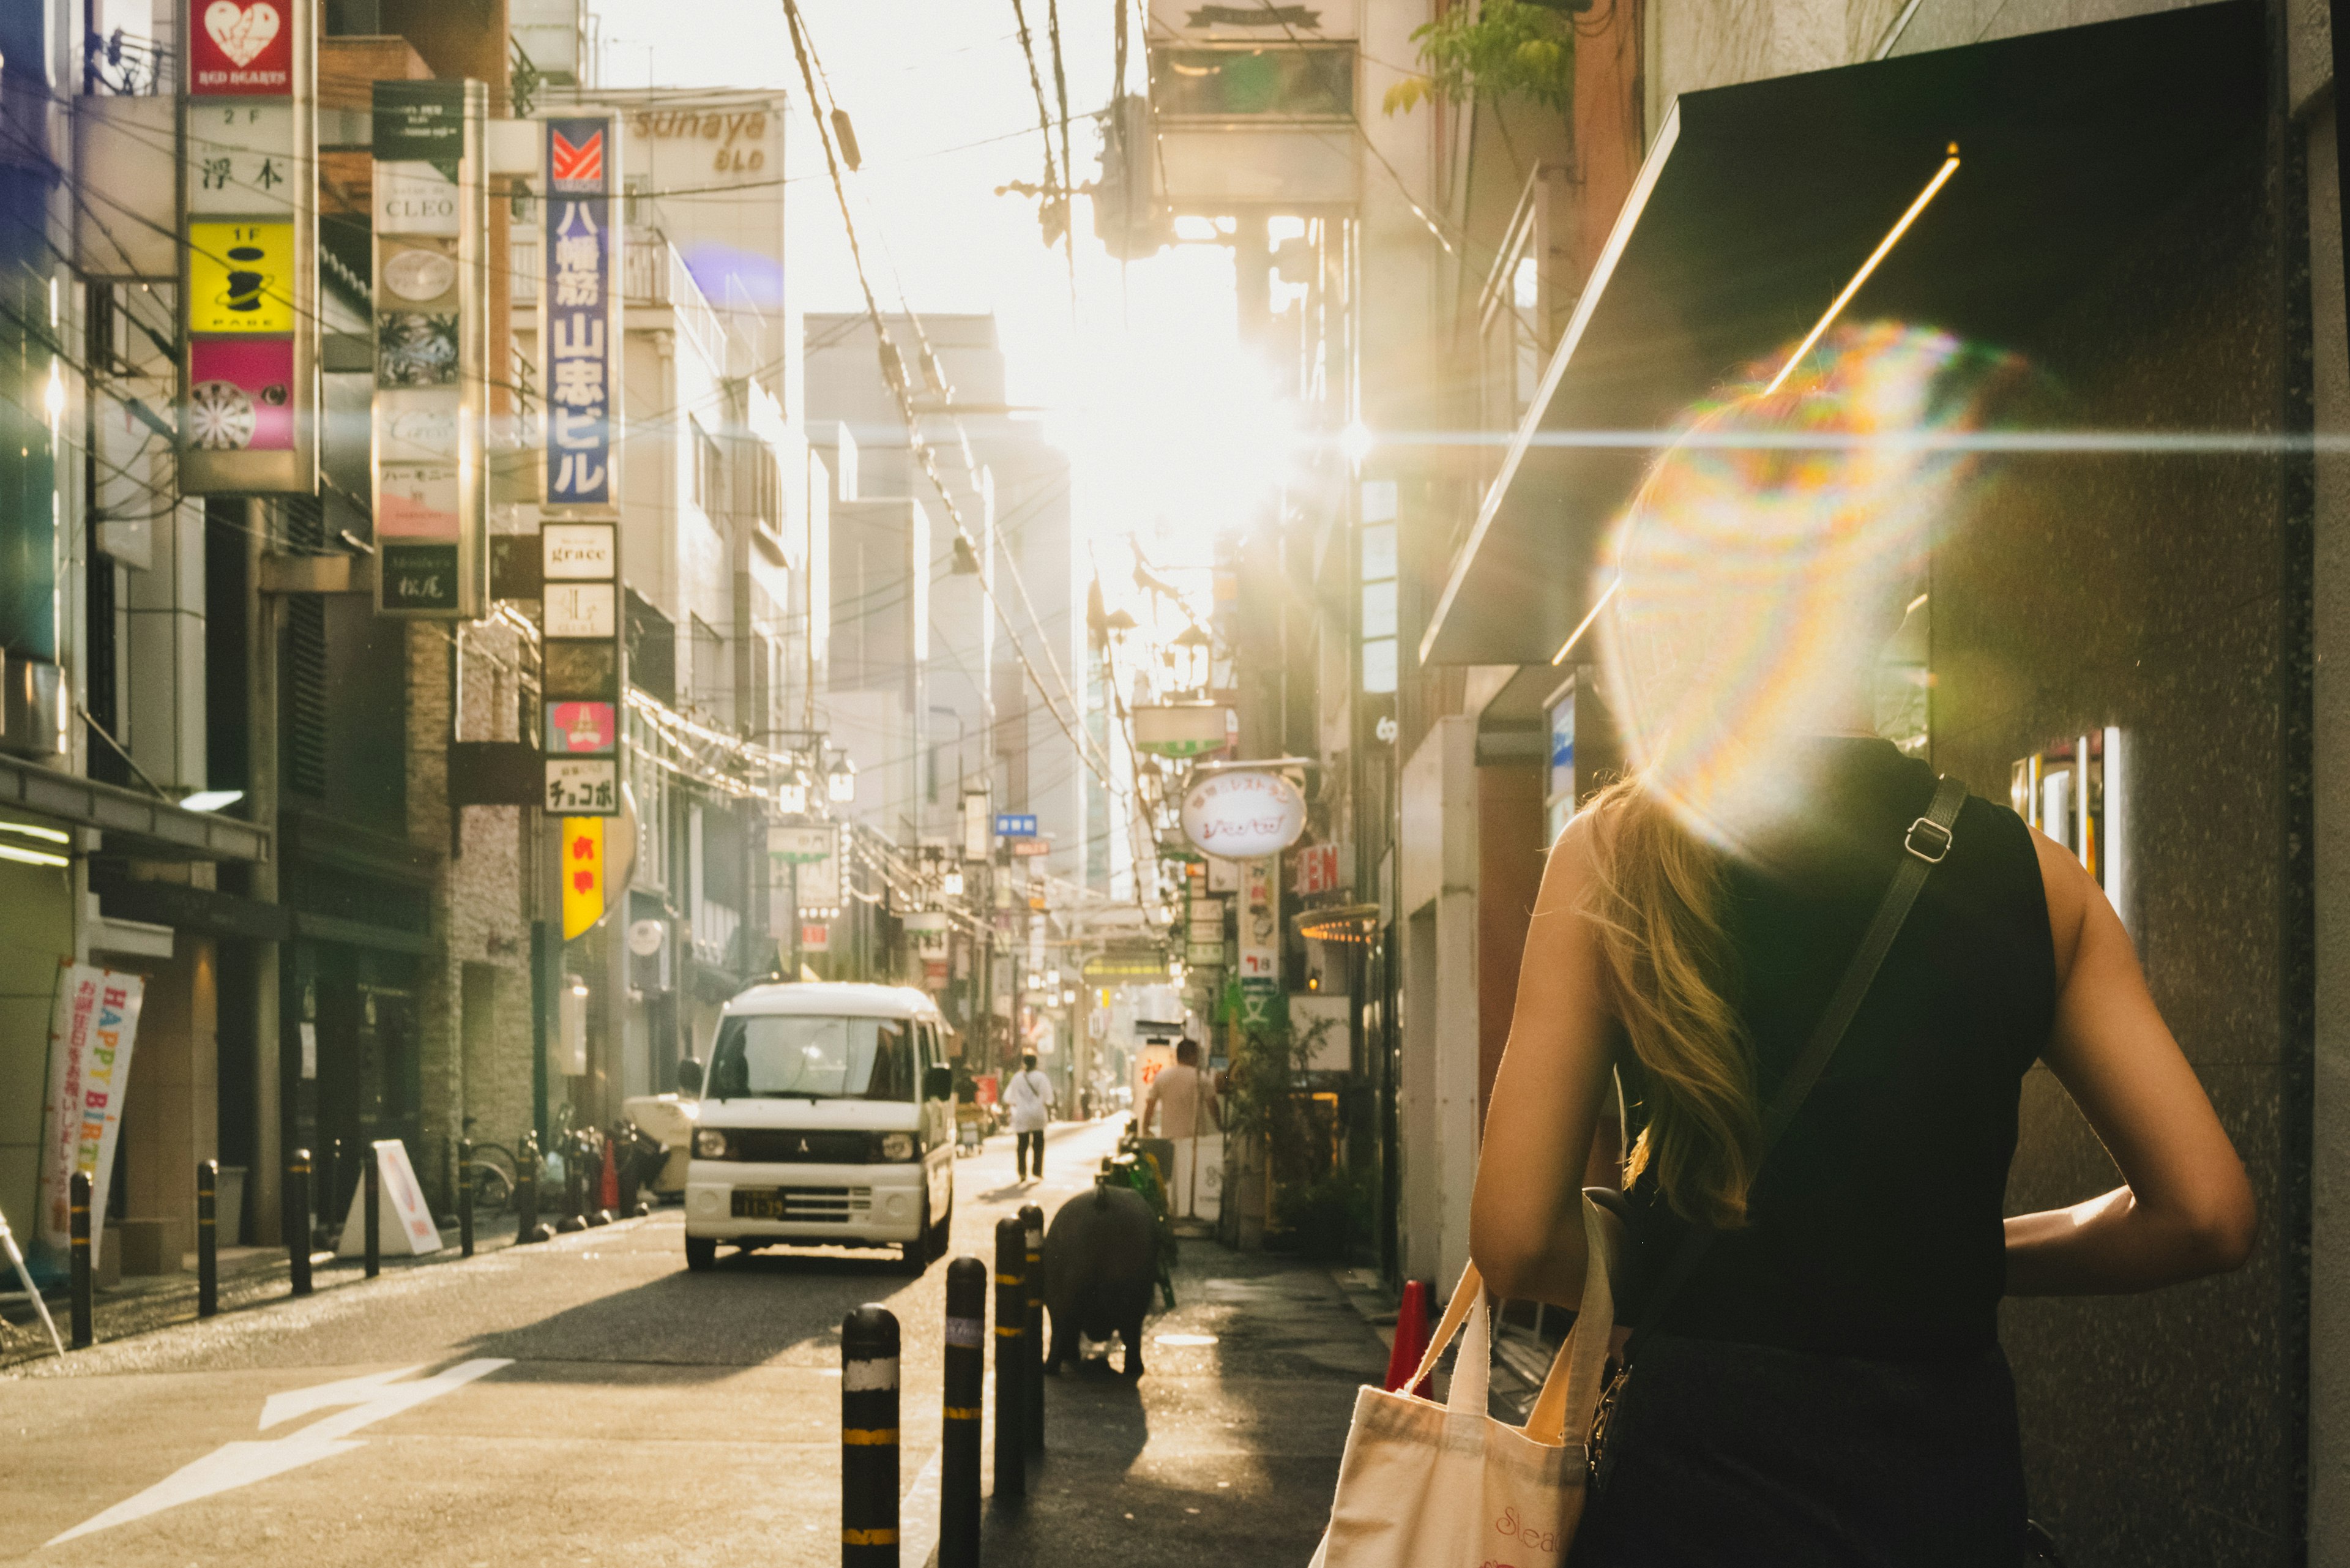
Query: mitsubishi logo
x=804, y=1147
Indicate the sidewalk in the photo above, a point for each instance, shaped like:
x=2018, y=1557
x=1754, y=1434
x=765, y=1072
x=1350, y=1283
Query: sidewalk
x=1228, y=1450
x=250, y=1277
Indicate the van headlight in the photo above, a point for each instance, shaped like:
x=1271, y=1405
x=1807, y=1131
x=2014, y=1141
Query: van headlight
x=709, y=1143
x=896, y=1146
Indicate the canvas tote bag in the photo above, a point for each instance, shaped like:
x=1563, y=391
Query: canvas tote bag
x=1425, y=1485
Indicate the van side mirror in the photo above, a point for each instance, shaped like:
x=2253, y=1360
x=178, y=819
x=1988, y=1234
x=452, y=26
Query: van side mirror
x=689, y=1076
x=938, y=1084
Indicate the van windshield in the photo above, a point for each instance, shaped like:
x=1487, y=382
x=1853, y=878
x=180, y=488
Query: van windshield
x=815, y=1058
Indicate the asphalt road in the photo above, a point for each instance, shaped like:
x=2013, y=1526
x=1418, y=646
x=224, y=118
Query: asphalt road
x=588, y=1400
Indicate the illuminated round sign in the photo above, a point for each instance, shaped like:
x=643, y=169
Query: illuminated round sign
x=1244, y=814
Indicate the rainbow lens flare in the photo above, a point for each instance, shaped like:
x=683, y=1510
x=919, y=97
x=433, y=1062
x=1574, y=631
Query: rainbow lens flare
x=1754, y=585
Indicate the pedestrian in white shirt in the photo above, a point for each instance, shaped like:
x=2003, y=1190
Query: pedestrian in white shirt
x=1182, y=1098
x=1030, y=1095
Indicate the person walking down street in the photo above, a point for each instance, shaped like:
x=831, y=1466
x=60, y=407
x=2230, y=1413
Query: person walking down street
x=1813, y=1281
x=1030, y=1095
x=1183, y=1099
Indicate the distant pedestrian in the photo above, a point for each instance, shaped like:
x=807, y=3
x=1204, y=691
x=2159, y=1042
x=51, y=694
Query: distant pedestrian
x=1826, y=1383
x=1030, y=1095
x=1183, y=1099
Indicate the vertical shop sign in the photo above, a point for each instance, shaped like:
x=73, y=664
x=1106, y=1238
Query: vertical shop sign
x=582, y=674
x=1259, y=921
x=580, y=322
x=431, y=349
x=248, y=278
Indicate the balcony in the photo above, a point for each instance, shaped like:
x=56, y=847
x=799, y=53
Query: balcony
x=653, y=277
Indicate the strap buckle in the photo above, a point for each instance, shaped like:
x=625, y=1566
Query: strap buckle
x=1926, y=824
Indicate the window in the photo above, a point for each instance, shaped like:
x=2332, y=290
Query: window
x=815, y=1058
x=1292, y=81
x=709, y=473
x=759, y=487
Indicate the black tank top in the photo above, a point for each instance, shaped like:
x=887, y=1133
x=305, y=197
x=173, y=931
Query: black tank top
x=1874, y=1226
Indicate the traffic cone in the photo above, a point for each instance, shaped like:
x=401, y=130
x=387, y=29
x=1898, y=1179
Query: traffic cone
x=610, y=1194
x=1410, y=1340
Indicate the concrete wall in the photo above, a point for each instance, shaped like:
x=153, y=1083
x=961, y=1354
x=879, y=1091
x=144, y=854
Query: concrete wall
x=2167, y=596
x=1437, y=904
x=36, y=935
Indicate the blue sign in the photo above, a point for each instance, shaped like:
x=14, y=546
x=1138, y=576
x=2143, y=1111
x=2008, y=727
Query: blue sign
x=580, y=351
x=1008, y=825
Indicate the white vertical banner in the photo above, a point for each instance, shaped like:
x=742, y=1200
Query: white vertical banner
x=1260, y=920
x=93, y=1022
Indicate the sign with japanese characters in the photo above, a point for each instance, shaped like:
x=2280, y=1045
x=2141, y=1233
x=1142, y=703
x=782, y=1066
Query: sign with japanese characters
x=240, y=157
x=584, y=667
x=430, y=329
x=1243, y=815
x=248, y=295
x=1259, y=921
x=581, y=331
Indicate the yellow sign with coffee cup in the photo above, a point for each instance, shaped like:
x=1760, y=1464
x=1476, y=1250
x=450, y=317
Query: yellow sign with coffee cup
x=241, y=277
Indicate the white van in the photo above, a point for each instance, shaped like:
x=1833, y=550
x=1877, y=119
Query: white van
x=827, y=1117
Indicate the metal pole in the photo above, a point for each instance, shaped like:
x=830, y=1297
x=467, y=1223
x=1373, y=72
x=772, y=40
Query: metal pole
x=79, y=1234
x=297, y=1219
x=1011, y=1375
x=207, y=1238
x=465, y=1198
x=868, y=1438
x=1032, y=1359
x=371, y=1197
x=799, y=958
x=966, y=1391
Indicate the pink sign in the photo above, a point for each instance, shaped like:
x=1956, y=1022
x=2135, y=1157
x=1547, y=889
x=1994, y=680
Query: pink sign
x=583, y=727
x=241, y=394
x=240, y=47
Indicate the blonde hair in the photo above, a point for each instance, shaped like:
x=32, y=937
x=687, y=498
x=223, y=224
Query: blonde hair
x=1655, y=903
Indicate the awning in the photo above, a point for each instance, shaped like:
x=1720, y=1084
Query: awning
x=1757, y=203
x=134, y=823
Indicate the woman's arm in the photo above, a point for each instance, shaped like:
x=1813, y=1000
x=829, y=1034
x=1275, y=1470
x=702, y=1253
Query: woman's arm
x=1525, y=1220
x=2186, y=1209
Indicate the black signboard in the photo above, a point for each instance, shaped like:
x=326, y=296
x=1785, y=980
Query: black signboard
x=419, y=577
x=420, y=122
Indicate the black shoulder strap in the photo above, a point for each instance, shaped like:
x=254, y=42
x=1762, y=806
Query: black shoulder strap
x=1925, y=844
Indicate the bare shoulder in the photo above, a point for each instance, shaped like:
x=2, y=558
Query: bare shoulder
x=1570, y=866
x=2072, y=893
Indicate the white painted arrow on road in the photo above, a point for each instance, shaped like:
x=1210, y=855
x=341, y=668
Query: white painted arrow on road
x=371, y=1399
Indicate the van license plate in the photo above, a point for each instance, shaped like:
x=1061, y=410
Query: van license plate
x=758, y=1203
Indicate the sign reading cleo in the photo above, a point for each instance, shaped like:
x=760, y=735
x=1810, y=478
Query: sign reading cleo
x=1243, y=815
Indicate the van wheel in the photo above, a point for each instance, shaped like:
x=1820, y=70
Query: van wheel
x=700, y=1252
x=916, y=1255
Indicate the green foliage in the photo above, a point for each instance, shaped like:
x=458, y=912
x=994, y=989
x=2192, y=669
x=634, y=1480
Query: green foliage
x=1328, y=1215
x=1502, y=49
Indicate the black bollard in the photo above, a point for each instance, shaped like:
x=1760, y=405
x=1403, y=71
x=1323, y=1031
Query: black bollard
x=323, y=1212
x=1011, y=1358
x=868, y=1438
x=465, y=1198
x=80, y=1234
x=1032, y=1224
x=966, y=1388
x=370, y=1222
x=297, y=1219
x=207, y=1237
x=526, y=1225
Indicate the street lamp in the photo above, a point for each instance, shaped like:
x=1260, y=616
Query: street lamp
x=791, y=793
x=951, y=883
x=841, y=780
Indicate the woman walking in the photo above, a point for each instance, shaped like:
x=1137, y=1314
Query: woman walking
x=1823, y=1383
